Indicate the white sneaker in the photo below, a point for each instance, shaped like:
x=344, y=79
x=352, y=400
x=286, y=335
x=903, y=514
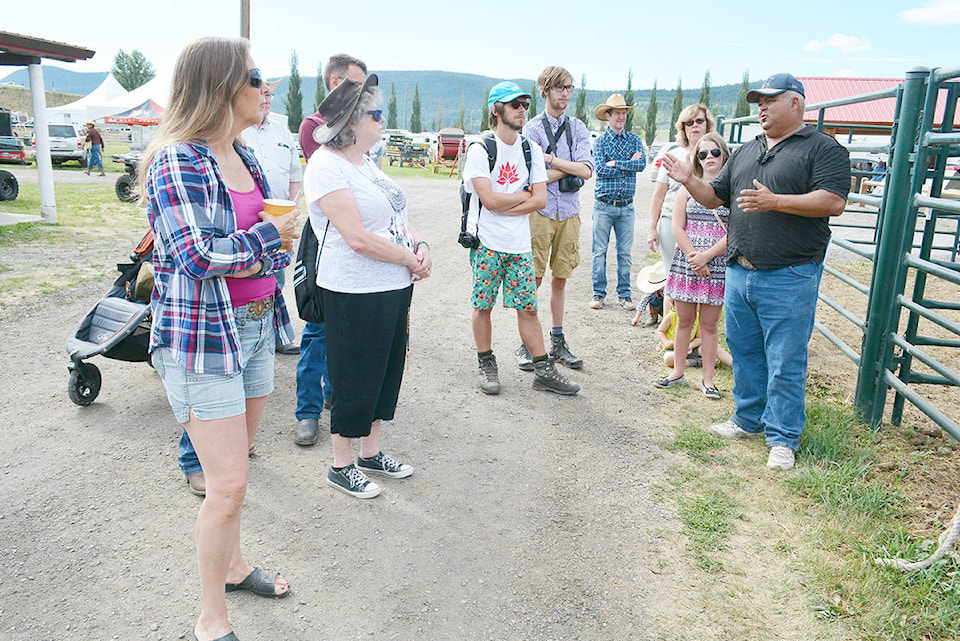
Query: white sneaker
x=729, y=429
x=781, y=457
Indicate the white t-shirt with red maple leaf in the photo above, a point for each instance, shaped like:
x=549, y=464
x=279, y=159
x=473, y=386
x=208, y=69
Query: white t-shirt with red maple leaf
x=507, y=234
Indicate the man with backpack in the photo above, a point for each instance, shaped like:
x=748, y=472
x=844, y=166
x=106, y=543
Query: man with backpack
x=555, y=229
x=504, y=181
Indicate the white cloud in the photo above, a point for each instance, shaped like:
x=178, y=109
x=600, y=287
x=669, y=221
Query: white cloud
x=934, y=13
x=839, y=41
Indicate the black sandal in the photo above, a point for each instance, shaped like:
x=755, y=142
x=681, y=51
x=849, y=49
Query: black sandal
x=260, y=583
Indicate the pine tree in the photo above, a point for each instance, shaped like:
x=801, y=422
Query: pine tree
x=628, y=98
x=321, y=91
x=581, y=111
x=294, y=99
x=705, y=90
x=485, y=111
x=463, y=110
x=650, y=129
x=415, y=125
x=677, y=108
x=392, y=108
x=743, y=107
x=132, y=70
x=532, y=110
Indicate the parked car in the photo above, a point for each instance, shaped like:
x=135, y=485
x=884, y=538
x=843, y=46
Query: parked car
x=66, y=143
x=12, y=150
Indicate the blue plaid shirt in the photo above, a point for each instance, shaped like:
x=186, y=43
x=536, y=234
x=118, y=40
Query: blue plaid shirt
x=620, y=181
x=196, y=245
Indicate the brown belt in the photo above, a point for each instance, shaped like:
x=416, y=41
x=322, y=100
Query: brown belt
x=255, y=310
x=746, y=264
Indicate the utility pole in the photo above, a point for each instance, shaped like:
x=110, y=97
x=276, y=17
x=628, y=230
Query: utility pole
x=245, y=19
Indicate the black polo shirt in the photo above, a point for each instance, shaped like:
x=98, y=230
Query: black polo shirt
x=807, y=161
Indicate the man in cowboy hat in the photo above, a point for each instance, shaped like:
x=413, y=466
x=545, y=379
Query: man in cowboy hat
x=275, y=149
x=95, y=155
x=617, y=155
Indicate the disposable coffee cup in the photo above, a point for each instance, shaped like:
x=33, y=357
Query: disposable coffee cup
x=278, y=207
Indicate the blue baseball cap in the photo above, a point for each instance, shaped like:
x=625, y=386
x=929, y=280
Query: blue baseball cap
x=505, y=92
x=775, y=85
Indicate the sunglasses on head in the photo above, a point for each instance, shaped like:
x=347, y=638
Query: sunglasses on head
x=699, y=121
x=256, y=78
x=376, y=114
x=702, y=155
x=516, y=103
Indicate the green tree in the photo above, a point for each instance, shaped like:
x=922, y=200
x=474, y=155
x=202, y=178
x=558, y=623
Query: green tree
x=321, y=91
x=392, y=108
x=294, y=99
x=532, y=111
x=650, y=128
x=581, y=110
x=132, y=70
x=705, y=90
x=415, y=125
x=743, y=107
x=628, y=98
x=677, y=108
x=485, y=111
x=463, y=110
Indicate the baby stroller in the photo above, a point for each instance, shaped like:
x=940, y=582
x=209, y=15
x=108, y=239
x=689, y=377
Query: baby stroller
x=117, y=327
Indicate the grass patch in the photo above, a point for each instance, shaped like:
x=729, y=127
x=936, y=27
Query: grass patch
x=707, y=521
x=698, y=445
x=407, y=171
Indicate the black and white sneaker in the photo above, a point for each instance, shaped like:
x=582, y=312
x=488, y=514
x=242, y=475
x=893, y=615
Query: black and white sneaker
x=353, y=482
x=386, y=465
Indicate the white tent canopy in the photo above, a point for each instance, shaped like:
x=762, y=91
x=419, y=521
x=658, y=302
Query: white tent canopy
x=94, y=105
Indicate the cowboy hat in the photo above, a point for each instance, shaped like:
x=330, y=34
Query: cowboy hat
x=339, y=104
x=652, y=278
x=273, y=84
x=615, y=101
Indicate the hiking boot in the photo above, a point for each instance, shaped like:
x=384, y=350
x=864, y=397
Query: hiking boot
x=597, y=302
x=546, y=378
x=385, y=465
x=781, y=458
x=627, y=303
x=524, y=361
x=489, y=375
x=353, y=482
x=307, y=432
x=729, y=429
x=561, y=353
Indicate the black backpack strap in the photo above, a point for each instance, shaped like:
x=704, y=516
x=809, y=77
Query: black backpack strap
x=527, y=157
x=551, y=138
x=490, y=142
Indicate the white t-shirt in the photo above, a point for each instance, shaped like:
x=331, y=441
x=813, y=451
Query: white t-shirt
x=507, y=234
x=276, y=152
x=383, y=211
x=678, y=152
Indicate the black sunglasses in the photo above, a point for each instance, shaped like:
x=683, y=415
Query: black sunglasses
x=702, y=155
x=256, y=79
x=516, y=103
x=699, y=121
x=376, y=114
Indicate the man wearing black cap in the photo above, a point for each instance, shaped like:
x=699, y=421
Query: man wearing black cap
x=782, y=188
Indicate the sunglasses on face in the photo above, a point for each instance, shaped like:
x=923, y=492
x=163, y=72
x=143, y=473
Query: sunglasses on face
x=702, y=155
x=699, y=121
x=516, y=103
x=256, y=78
x=376, y=114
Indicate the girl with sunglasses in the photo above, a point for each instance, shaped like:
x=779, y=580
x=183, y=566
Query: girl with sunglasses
x=217, y=309
x=696, y=278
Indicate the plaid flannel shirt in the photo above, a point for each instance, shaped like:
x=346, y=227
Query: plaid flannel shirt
x=197, y=244
x=620, y=181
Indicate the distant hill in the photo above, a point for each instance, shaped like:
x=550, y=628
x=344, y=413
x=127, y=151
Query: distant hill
x=441, y=93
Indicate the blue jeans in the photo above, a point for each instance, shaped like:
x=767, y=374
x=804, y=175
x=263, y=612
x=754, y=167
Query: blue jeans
x=770, y=316
x=313, y=380
x=620, y=220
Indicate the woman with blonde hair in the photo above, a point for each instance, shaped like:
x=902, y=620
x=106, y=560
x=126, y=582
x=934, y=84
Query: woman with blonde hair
x=216, y=305
x=692, y=123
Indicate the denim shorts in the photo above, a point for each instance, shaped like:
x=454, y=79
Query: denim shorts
x=214, y=396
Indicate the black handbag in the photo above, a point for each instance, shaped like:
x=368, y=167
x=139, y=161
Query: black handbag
x=309, y=305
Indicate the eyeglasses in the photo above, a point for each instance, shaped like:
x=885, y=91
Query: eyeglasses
x=699, y=121
x=256, y=78
x=702, y=155
x=564, y=88
x=376, y=114
x=516, y=103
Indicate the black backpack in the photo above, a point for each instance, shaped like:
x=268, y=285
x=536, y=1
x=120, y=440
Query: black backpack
x=305, y=275
x=489, y=141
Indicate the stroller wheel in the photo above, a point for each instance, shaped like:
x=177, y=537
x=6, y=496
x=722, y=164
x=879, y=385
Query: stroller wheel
x=84, y=383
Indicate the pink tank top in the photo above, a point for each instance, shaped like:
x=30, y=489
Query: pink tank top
x=247, y=206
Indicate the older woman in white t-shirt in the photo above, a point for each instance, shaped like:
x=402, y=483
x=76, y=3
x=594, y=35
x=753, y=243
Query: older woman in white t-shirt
x=370, y=256
x=692, y=123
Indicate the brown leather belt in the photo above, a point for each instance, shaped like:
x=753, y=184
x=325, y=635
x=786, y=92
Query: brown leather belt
x=255, y=310
x=746, y=264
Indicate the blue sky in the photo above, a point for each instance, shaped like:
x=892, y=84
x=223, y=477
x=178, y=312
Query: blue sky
x=879, y=38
